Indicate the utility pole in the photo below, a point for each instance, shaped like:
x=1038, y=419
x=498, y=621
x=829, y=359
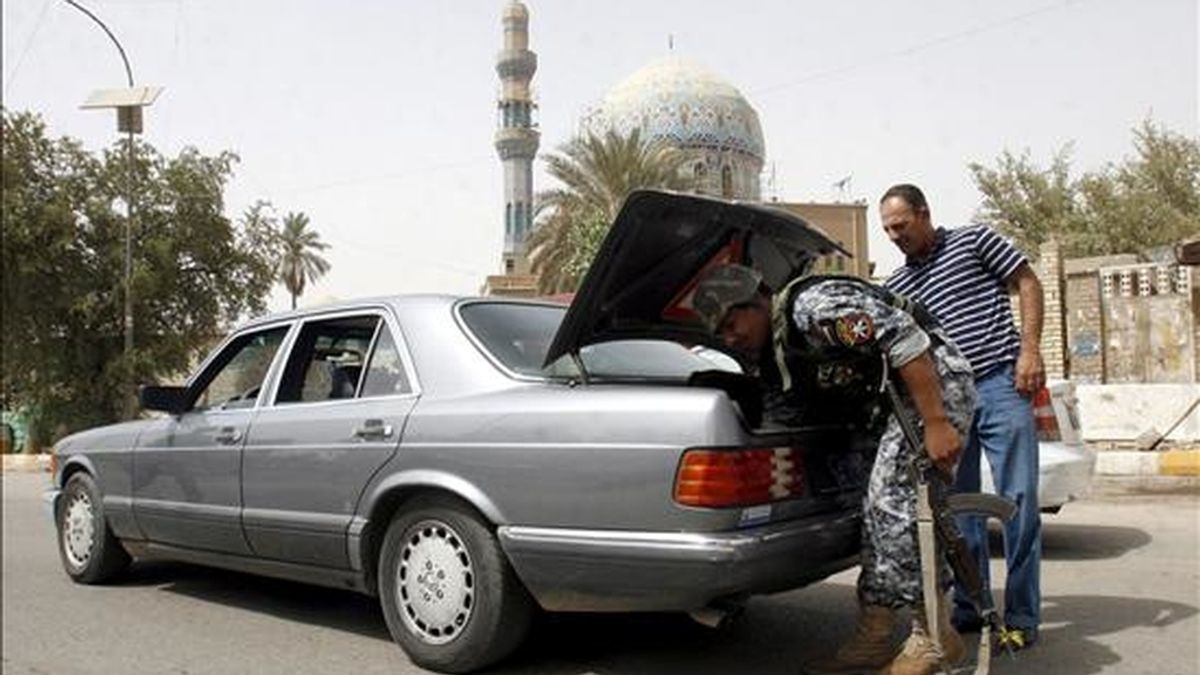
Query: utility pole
x=128, y=103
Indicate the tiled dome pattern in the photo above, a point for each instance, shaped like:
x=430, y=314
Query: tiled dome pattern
x=685, y=104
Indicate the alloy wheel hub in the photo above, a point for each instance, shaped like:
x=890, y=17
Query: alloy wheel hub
x=79, y=530
x=435, y=584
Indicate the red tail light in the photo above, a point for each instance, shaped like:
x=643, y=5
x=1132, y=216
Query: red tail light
x=716, y=478
x=1044, y=417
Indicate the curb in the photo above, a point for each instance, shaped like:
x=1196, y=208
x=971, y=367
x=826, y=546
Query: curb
x=1184, y=463
x=26, y=463
x=1145, y=485
x=1180, y=463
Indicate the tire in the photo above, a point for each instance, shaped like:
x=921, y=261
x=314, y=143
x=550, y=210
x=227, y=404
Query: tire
x=90, y=553
x=449, y=596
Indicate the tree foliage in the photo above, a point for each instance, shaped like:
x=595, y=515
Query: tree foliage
x=1149, y=199
x=194, y=271
x=595, y=173
x=299, y=260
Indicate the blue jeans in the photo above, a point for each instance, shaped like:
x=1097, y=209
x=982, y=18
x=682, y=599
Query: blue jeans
x=1004, y=430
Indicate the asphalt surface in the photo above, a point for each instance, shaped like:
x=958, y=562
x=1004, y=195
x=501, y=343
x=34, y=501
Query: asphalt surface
x=1121, y=586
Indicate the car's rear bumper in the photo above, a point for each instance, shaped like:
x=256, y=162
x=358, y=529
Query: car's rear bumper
x=1065, y=473
x=608, y=570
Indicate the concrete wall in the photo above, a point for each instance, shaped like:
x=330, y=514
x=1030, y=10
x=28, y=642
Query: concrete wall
x=1122, y=412
x=1127, y=322
x=1085, y=328
x=1083, y=310
x=1149, y=323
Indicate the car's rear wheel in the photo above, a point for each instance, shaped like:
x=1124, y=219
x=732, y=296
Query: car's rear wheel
x=450, y=598
x=90, y=552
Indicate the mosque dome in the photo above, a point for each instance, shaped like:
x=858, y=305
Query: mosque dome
x=683, y=103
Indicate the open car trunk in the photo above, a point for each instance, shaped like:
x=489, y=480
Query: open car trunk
x=641, y=282
x=640, y=286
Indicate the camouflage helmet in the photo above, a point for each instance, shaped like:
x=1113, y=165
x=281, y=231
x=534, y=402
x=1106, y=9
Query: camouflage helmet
x=721, y=289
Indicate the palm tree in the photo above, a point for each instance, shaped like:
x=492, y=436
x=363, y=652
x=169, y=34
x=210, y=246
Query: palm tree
x=596, y=174
x=299, y=260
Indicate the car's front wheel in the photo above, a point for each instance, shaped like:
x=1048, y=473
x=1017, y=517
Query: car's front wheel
x=90, y=552
x=450, y=598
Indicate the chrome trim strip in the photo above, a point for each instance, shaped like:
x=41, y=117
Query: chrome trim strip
x=308, y=521
x=293, y=405
x=224, y=514
x=623, y=539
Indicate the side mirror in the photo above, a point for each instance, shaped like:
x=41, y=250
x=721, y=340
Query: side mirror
x=166, y=399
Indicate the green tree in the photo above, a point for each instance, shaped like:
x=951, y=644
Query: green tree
x=194, y=271
x=595, y=173
x=1149, y=199
x=1026, y=202
x=261, y=228
x=300, y=261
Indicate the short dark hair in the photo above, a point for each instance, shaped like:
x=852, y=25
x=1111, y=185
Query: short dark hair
x=911, y=194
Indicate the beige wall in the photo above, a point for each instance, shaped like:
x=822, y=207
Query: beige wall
x=511, y=285
x=1085, y=328
x=845, y=224
x=1149, y=323
x=1130, y=322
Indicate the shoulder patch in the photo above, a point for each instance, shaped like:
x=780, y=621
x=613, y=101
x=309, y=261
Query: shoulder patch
x=853, y=330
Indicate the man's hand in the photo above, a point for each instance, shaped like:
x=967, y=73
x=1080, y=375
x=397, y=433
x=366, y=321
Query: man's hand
x=1030, y=372
x=943, y=444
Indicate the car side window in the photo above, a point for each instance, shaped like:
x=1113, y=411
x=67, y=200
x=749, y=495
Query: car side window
x=385, y=373
x=326, y=362
x=241, y=369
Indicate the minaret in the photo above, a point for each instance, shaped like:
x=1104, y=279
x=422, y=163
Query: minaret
x=516, y=137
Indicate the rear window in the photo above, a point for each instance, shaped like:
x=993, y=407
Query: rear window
x=519, y=335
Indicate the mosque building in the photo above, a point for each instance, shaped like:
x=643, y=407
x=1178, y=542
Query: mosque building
x=673, y=100
x=688, y=106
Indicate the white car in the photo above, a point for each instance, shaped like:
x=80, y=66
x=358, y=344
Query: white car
x=1065, y=464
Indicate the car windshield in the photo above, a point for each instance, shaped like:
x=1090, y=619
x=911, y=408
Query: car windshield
x=518, y=335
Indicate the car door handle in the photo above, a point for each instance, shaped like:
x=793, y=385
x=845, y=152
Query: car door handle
x=373, y=429
x=228, y=436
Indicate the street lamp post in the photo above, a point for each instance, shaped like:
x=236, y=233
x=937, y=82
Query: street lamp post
x=128, y=104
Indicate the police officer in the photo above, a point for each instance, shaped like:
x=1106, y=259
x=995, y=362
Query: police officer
x=799, y=339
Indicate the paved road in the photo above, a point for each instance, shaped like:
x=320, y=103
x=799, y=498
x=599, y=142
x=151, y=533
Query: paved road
x=1120, y=583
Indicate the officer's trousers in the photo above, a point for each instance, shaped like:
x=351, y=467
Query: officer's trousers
x=891, y=563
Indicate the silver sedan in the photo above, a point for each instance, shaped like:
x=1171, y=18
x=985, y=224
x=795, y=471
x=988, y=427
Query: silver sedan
x=468, y=461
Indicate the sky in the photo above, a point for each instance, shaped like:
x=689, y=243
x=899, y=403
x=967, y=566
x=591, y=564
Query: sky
x=376, y=117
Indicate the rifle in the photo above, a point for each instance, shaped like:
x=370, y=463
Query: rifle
x=936, y=509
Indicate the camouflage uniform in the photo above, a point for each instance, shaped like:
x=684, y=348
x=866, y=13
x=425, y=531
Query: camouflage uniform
x=827, y=320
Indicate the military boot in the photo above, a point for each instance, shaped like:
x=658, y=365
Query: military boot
x=921, y=655
x=868, y=650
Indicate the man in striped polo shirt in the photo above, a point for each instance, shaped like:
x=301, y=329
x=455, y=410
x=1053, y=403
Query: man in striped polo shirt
x=963, y=277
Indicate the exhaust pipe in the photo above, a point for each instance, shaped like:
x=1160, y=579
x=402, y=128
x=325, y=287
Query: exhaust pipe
x=718, y=615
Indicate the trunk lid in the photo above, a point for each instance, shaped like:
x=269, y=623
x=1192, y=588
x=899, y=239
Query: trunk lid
x=640, y=284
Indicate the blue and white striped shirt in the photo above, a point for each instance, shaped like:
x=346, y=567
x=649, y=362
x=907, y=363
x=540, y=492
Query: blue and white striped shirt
x=963, y=283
